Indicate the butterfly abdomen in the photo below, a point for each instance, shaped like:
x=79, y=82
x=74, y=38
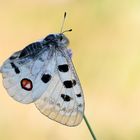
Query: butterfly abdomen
x=31, y=49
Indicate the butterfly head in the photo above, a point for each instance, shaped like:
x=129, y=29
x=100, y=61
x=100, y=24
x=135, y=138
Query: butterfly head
x=58, y=40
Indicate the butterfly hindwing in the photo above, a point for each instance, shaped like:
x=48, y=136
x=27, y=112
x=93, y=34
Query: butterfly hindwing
x=63, y=100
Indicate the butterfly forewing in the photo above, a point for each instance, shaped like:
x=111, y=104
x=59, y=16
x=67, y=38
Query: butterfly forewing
x=13, y=73
x=63, y=100
x=25, y=78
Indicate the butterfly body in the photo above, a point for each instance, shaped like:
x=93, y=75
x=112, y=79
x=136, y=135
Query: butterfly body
x=43, y=73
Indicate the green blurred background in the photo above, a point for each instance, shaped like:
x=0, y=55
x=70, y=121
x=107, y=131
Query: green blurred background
x=106, y=53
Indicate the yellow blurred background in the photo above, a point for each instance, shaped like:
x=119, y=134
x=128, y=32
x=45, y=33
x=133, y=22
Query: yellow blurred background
x=106, y=53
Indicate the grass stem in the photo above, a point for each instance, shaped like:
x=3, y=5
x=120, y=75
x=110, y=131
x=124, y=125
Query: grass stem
x=89, y=127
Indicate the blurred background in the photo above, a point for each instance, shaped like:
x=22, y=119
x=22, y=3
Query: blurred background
x=106, y=53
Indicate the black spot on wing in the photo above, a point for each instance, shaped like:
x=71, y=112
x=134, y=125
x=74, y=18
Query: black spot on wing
x=66, y=98
x=17, y=71
x=78, y=95
x=74, y=82
x=63, y=68
x=69, y=83
x=46, y=78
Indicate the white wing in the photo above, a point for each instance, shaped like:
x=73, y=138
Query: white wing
x=26, y=81
x=63, y=100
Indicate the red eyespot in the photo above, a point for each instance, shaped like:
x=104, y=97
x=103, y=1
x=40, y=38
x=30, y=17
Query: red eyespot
x=26, y=84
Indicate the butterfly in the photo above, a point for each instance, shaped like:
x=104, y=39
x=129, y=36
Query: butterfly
x=43, y=73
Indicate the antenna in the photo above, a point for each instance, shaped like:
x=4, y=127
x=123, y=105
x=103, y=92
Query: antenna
x=61, y=31
x=63, y=22
x=67, y=31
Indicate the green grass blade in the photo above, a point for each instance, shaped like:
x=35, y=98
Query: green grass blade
x=89, y=127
